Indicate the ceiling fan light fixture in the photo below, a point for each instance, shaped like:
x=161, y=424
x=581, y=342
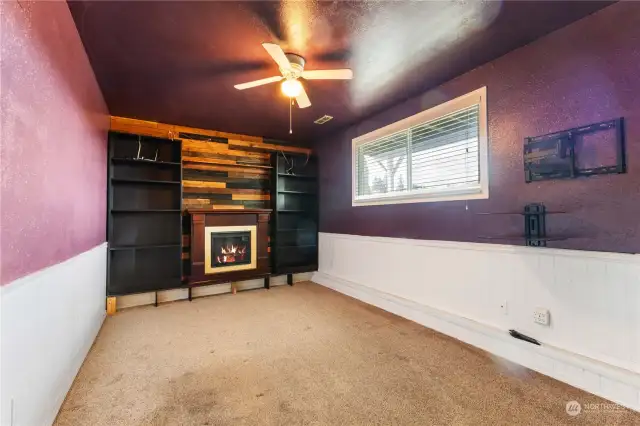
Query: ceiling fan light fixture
x=291, y=88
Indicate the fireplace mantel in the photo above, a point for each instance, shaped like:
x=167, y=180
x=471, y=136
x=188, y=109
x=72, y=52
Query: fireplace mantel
x=206, y=224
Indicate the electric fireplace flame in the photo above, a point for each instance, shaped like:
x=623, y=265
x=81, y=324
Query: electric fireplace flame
x=230, y=248
x=231, y=254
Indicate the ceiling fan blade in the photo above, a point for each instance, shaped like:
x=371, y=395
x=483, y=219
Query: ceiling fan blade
x=341, y=74
x=255, y=83
x=303, y=99
x=277, y=54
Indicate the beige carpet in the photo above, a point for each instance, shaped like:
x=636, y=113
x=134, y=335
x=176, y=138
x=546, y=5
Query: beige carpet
x=303, y=355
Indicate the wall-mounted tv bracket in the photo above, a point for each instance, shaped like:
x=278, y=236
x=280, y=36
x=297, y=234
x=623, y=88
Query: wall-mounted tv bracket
x=554, y=156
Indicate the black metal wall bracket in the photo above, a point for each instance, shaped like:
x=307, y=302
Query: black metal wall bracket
x=535, y=226
x=558, y=155
x=535, y=231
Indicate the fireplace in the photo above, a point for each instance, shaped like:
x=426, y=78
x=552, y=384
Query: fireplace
x=229, y=248
x=227, y=245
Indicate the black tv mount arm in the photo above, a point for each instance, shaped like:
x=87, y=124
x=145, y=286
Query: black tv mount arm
x=553, y=156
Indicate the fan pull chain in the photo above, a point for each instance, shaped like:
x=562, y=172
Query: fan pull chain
x=290, y=107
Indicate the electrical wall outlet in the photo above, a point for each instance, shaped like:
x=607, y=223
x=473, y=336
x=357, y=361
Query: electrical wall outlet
x=541, y=316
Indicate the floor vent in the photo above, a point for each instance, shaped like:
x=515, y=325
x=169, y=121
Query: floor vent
x=323, y=119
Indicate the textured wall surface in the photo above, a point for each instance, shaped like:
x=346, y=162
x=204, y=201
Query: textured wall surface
x=54, y=143
x=584, y=73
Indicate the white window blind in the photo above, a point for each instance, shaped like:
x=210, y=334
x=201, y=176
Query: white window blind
x=444, y=152
x=435, y=156
x=382, y=165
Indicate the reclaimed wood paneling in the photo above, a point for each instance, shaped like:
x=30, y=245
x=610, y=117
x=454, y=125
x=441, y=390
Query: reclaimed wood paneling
x=212, y=167
x=219, y=168
x=203, y=184
x=250, y=197
x=153, y=128
x=265, y=147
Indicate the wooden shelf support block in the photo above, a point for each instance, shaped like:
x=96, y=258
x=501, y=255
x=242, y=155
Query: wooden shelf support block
x=111, y=305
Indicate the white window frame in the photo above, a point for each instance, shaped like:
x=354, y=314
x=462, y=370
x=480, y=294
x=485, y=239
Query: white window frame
x=477, y=97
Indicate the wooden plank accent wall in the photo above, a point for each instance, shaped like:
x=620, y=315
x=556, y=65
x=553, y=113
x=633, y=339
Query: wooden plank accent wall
x=216, y=175
x=219, y=170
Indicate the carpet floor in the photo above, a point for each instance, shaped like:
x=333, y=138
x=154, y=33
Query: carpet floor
x=304, y=355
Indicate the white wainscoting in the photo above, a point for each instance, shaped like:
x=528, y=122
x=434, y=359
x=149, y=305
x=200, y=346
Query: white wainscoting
x=592, y=342
x=49, y=322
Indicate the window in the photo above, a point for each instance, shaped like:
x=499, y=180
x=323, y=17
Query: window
x=437, y=155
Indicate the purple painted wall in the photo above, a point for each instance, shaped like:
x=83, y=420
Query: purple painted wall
x=54, y=141
x=584, y=73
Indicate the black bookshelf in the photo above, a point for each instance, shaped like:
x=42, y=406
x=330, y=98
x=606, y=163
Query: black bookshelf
x=144, y=225
x=294, y=224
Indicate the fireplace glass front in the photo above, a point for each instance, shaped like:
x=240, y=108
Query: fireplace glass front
x=230, y=248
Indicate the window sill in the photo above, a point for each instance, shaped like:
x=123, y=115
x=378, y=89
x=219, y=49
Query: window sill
x=477, y=193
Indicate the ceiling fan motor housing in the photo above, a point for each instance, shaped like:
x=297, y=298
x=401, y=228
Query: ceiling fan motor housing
x=297, y=66
x=292, y=68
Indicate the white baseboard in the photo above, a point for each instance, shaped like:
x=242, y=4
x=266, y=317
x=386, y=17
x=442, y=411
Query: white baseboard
x=142, y=299
x=610, y=382
x=50, y=319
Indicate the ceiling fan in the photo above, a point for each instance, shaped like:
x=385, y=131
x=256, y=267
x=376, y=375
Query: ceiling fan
x=292, y=68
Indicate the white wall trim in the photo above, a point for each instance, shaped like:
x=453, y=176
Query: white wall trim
x=620, y=257
x=344, y=267
x=544, y=359
x=49, y=320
